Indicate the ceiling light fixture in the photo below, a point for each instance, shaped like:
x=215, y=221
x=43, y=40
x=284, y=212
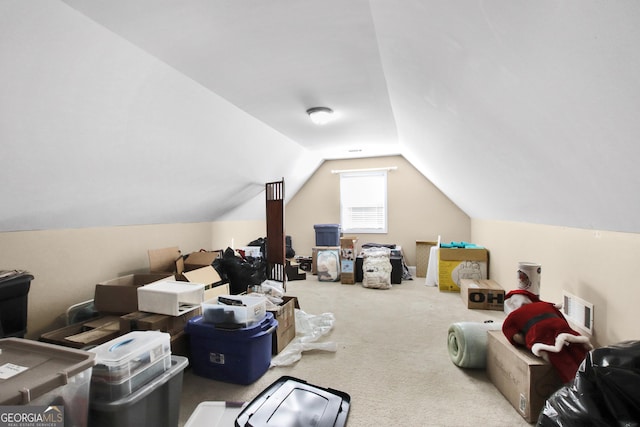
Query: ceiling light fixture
x=320, y=115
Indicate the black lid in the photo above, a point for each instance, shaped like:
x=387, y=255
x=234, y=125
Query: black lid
x=293, y=402
x=7, y=275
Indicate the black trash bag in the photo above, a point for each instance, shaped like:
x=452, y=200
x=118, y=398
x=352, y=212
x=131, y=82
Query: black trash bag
x=604, y=392
x=242, y=273
x=262, y=243
x=218, y=265
x=289, y=252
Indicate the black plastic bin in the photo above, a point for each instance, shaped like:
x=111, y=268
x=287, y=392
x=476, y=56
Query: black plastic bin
x=156, y=404
x=14, y=290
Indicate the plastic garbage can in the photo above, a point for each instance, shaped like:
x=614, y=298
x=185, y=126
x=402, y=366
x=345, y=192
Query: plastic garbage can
x=14, y=291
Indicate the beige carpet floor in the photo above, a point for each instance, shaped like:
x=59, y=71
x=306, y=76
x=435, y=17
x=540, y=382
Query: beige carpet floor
x=391, y=357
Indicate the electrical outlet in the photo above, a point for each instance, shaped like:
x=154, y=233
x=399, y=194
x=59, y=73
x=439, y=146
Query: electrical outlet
x=578, y=311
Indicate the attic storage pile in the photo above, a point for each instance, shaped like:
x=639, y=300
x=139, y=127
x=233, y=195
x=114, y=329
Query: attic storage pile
x=149, y=327
x=120, y=359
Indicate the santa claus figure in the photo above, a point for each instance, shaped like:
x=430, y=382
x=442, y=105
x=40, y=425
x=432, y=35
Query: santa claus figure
x=541, y=327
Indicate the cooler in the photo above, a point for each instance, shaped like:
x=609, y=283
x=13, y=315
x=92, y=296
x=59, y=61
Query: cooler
x=156, y=404
x=14, y=291
x=239, y=356
x=39, y=374
x=126, y=363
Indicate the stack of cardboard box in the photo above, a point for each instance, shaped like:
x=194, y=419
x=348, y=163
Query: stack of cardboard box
x=525, y=380
x=162, y=300
x=348, y=260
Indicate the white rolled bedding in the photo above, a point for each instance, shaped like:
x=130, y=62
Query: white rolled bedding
x=467, y=343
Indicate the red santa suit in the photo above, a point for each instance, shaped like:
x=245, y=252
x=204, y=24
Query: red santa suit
x=547, y=334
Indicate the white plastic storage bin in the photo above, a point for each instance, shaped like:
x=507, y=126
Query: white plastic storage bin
x=170, y=297
x=34, y=373
x=126, y=363
x=156, y=404
x=234, y=311
x=214, y=414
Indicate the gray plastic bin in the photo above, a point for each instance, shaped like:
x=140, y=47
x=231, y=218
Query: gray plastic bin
x=156, y=404
x=41, y=374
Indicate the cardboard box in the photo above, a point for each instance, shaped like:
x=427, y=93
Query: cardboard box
x=180, y=344
x=286, y=317
x=347, y=260
x=200, y=259
x=455, y=264
x=482, y=294
x=423, y=252
x=80, y=335
x=120, y=295
x=217, y=290
x=143, y=321
x=172, y=298
x=209, y=277
x=166, y=260
x=525, y=380
x=206, y=275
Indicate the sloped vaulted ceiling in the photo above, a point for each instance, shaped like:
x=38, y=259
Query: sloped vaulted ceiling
x=518, y=111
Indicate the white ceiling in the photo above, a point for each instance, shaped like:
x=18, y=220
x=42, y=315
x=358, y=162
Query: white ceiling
x=518, y=111
x=272, y=59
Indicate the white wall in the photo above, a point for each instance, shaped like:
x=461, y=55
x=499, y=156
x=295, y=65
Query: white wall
x=67, y=264
x=236, y=234
x=597, y=266
x=417, y=209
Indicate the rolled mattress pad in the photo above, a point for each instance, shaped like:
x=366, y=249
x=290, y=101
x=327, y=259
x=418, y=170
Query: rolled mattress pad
x=467, y=343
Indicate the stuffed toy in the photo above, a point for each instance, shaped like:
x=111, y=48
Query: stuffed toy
x=541, y=327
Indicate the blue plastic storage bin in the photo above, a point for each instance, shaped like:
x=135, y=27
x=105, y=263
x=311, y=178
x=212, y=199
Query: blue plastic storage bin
x=327, y=234
x=238, y=356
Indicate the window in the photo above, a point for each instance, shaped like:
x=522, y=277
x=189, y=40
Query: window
x=363, y=202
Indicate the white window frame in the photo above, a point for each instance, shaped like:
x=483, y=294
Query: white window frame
x=356, y=192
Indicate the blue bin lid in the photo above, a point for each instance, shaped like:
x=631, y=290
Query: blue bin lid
x=196, y=326
x=326, y=226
